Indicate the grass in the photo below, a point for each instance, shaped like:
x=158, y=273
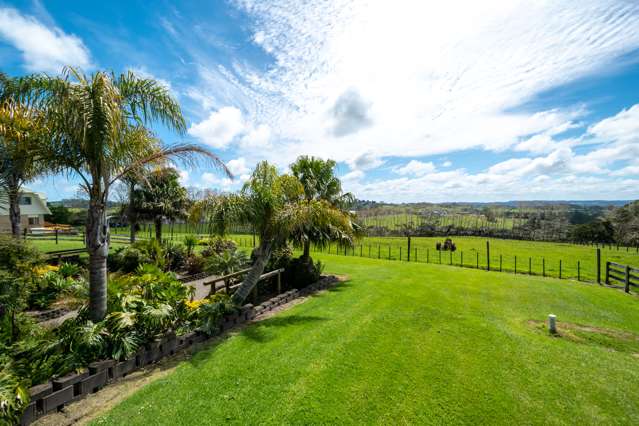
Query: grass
x=472, y=250
x=413, y=343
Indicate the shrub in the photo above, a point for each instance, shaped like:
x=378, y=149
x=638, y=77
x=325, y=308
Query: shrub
x=302, y=272
x=226, y=263
x=18, y=256
x=68, y=270
x=127, y=259
x=14, y=396
x=175, y=255
x=218, y=246
x=194, y=264
x=211, y=311
x=190, y=241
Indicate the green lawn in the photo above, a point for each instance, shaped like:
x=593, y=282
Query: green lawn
x=413, y=343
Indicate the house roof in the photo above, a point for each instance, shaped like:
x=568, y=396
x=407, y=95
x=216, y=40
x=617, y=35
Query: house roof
x=38, y=204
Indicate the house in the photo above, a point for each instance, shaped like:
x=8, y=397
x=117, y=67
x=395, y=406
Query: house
x=33, y=207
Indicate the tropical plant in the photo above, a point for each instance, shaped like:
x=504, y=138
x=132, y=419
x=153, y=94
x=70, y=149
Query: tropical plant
x=160, y=196
x=190, y=241
x=13, y=396
x=97, y=128
x=319, y=183
x=275, y=206
x=22, y=130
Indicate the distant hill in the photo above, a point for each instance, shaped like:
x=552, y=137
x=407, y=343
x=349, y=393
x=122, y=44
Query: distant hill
x=78, y=203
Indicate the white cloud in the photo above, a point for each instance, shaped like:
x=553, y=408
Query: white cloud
x=352, y=176
x=43, y=48
x=440, y=77
x=622, y=127
x=415, y=168
x=238, y=166
x=184, y=177
x=258, y=137
x=447, y=163
x=365, y=161
x=220, y=128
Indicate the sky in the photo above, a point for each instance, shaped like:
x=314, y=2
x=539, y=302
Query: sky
x=416, y=101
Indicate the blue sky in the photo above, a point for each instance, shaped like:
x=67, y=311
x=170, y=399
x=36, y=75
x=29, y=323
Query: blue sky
x=461, y=101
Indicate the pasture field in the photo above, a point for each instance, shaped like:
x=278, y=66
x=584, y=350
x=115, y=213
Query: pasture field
x=470, y=221
x=472, y=250
x=402, y=343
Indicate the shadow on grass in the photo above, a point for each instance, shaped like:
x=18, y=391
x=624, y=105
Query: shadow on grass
x=260, y=332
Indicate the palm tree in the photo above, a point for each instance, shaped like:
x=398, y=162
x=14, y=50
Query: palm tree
x=320, y=183
x=22, y=129
x=99, y=135
x=276, y=207
x=160, y=196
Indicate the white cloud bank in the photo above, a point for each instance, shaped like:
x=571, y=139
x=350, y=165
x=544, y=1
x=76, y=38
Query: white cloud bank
x=43, y=48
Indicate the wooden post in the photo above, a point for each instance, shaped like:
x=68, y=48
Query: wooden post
x=477, y=256
x=415, y=257
x=500, y=262
x=440, y=257
x=400, y=253
x=578, y=271
x=369, y=250
x=515, y=264
x=379, y=251
x=607, y=281
x=530, y=266
x=360, y=250
x=56, y=236
x=487, y=255
x=543, y=266
x=461, y=259
x=427, y=255
x=389, y=250
x=627, y=289
x=598, y=266
x=408, y=252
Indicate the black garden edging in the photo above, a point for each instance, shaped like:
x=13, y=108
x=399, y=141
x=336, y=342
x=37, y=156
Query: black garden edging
x=54, y=395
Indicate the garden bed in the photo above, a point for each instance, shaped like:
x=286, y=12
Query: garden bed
x=56, y=394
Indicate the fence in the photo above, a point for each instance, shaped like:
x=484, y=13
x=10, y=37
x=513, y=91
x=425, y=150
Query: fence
x=623, y=274
x=585, y=270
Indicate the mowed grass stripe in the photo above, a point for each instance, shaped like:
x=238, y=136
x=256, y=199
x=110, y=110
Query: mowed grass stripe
x=414, y=343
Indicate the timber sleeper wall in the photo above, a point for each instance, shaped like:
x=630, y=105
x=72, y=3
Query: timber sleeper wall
x=55, y=394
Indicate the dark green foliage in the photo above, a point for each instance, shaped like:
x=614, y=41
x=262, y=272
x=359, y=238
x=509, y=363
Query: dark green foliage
x=302, y=271
x=194, y=264
x=210, y=313
x=218, y=245
x=18, y=256
x=167, y=256
x=59, y=214
x=226, y=263
x=600, y=231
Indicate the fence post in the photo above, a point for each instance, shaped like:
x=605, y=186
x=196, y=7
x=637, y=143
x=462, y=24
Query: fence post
x=360, y=250
x=379, y=251
x=415, y=257
x=56, y=236
x=408, y=252
x=369, y=250
x=440, y=257
x=400, y=253
x=530, y=266
x=487, y=255
x=500, y=263
x=461, y=259
x=627, y=289
x=477, y=256
x=578, y=271
x=427, y=255
x=389, y=251
x=598, y=266
x=559, y=268
x=543, y=266
x=607, y=281
x=515, y=264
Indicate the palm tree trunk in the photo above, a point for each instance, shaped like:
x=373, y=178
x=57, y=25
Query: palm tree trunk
x=262, y=255
x=307, y=250
x=158, y=228
x=14, y=212
x=97, y=231
x=130, y=213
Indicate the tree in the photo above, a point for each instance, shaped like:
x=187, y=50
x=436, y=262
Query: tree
x=319, y=183
x=59, y=214
x=160, y=196
x=22, y=130
x=98, y=134
x=276, y=207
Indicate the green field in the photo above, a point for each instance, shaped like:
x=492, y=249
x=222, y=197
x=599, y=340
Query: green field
x=472, y=249
x=468, y=221
x=414, y=343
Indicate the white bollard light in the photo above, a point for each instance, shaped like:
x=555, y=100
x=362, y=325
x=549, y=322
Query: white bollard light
x=552, y=323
